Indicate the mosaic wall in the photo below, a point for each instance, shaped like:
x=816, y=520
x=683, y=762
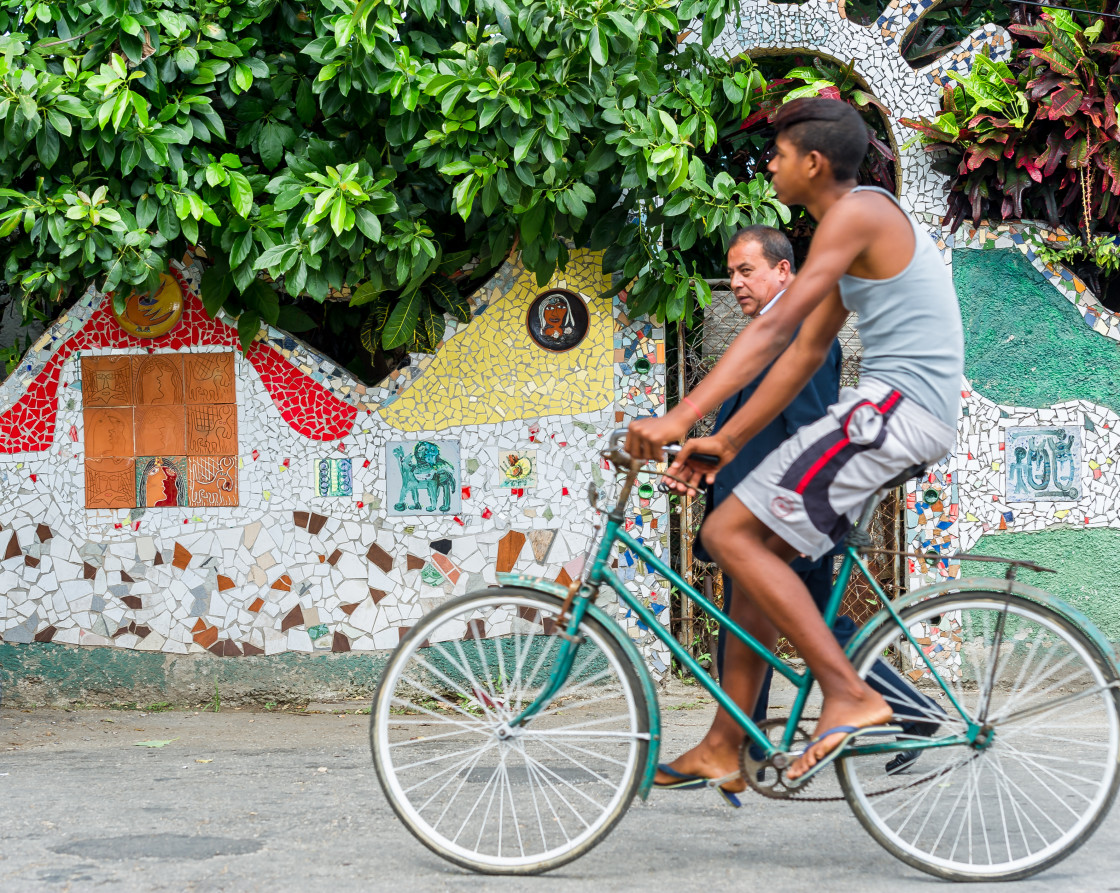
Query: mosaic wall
x=821, y=27
x=171, y=494
x=1025, y=469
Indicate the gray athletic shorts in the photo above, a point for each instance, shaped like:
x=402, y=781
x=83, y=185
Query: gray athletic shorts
x=810, y=490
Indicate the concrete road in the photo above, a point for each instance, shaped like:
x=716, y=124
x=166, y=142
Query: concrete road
x=277, y=801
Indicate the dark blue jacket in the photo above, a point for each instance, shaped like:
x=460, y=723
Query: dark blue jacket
x=820, y=393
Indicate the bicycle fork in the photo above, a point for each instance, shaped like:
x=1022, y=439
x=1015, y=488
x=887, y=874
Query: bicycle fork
x=580, y=594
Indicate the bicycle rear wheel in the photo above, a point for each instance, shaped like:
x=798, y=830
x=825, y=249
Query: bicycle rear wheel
x=1046, y=778
x=472, y=790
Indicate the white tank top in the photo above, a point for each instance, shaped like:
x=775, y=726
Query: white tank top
x=910, y=327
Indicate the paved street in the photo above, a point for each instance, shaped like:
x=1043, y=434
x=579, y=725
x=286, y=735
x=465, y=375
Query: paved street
x=266, y=800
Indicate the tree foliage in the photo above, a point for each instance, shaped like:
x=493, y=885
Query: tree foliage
x=374, y=144
x=1037, y=137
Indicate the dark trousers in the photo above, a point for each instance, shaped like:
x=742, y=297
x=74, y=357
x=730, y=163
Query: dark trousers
x=885, y=679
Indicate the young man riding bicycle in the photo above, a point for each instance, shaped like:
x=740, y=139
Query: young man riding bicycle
x=869, y=257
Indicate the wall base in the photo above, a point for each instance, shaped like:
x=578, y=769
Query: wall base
x=57, y=675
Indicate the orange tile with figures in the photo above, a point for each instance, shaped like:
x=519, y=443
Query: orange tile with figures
x=145, y=415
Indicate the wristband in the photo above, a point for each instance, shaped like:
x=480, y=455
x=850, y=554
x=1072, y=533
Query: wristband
x=695, y=408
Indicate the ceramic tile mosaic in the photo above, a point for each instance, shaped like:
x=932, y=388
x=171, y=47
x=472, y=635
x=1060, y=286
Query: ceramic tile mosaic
x=246, y=553
x=1015, y=469
x=821, y=27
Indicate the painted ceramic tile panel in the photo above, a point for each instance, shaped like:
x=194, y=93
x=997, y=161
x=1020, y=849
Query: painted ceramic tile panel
x=209, y=377
x=110, y=483
x=109, y=432
x=161, y=425
x=422, y=477
x=1043, y=464
x=161, y=481
x=157, y=379
x=106, y=381
x=517, y=470
x=160, y=430
x=334, y=477
x=212, y=481
x=212, y=429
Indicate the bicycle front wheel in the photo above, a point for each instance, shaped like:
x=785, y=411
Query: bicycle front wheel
x=470, y=788
x=1041, y=775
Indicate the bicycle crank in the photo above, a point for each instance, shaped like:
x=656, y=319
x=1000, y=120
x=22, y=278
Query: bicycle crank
x=767, y=776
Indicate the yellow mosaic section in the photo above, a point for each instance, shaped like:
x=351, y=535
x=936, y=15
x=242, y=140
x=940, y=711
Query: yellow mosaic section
x=492, y=371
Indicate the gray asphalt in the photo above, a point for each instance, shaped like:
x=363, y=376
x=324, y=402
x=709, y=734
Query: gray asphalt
x=256, y=800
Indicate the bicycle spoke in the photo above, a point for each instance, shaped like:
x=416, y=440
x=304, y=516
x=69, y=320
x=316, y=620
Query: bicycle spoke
x=1010, y=803
x=463, y=776
x=482, y=795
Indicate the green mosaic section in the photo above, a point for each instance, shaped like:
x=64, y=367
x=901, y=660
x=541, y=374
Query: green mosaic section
x=44, y=674
x=1083, y=558
x=1025, y=344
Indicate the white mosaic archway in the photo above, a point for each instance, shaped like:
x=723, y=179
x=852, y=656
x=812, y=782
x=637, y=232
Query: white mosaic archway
x=821, y=27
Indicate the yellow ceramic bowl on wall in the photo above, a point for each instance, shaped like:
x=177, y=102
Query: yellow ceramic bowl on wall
x=149, y=314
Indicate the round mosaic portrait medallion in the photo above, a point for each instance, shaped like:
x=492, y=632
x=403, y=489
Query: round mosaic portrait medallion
x=149, y=314
x=557, y=320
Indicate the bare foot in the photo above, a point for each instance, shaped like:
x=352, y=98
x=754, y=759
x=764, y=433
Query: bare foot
x=868, y=710
x=707, y=761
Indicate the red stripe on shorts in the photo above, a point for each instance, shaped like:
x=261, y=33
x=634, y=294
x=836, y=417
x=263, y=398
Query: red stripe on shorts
x=891, y=399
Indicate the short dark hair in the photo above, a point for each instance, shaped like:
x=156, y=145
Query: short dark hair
x=773, y=243
x=829, y=126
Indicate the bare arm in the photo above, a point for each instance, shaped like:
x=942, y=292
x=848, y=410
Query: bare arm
x=785, y=380
x=841, y=237
x=789, y=375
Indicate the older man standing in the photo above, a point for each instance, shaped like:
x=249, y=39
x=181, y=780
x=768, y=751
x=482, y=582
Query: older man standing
x=760, y=265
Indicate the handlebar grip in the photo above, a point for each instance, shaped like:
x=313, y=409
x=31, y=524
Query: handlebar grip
x=704, y=458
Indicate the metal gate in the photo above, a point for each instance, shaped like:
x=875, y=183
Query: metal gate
x=698, y=351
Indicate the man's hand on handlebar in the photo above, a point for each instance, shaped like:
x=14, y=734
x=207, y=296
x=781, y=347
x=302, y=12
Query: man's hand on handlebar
x=697, y=463
x=646, y=437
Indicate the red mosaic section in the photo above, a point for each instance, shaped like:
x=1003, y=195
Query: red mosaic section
x=306, y=405
x=29, y=425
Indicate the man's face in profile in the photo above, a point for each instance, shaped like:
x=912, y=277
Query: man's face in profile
x=753, y=280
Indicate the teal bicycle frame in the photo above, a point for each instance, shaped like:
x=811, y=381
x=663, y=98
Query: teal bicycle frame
x=601, y=573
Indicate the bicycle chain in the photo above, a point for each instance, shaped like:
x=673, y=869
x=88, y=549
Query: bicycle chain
x=778, y=790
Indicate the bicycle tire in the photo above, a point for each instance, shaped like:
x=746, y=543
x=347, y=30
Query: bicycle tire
x=1031, y=636
x=488, y=702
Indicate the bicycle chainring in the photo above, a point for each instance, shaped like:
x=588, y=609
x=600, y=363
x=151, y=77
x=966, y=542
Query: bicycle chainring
x=773, y=783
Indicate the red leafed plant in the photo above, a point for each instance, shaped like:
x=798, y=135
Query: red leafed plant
x=1037, y=138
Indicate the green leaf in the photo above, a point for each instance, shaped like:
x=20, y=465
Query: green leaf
x=679, y=203
x=163, y=743
x=262, y=299
x=401, y=325
x=369, y=333
x=338, y=215
x=532, y=220
x=305, y=102
x=293, y=319
x=215, y=288
x=444, y=293
x=597, y=44
x=248, y=325
x=430, y=327
x=243, y=76
x=240, y=193
x=368, y=224
x=271, y=145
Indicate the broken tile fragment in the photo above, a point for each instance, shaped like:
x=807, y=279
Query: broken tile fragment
x=380, y=558
x=182, y=558
x=509, y=550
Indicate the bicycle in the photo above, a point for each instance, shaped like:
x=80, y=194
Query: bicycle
x=514, y=726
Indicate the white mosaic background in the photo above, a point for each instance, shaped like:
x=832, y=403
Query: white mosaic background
x=75, y=567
